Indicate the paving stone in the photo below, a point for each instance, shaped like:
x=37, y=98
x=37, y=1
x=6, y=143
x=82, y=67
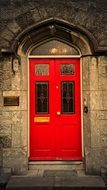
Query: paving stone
x=48, y=183
x=80, y=181
x=30, y=182
x=4, y=178
x=59, y=173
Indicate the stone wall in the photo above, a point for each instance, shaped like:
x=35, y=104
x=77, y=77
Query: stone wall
x=14, y=119
x=13, y=126
x=15, y=17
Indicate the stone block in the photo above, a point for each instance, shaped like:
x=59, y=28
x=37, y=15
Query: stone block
x=4, y=3
x=98, y=123
x=1, y=79
x=96, y=100
x=1, y=98
x=5, y=142
x=16, y=116
x=5, y=130
x=1, y=158
x=19, y=170
x=16, y=136
x=102, y=63
x=4, y=43
x=5, y=119
x=24, y=129
x=104, y=173
x=7, y=170
x=93, y=63
x=95, y=129
x=7, y=63
x=23, y=20
x=87, y=129
x=14, y=27
x=102, y=72
x=11, y=93
x=88, y=160
x=103, y=127
x=7, y=34
x=44, y=12
x=85, y=73
x=16, y=126
x=6, y=83
x=16, y=81
x=102, y=115
x=103, y=82
x=104, y=99
x=92, y=160
x=16, y=159
x=103, y=157
x=24, y=100
x=36, y=15
x=86, y=97
x=98, y=159
x=24, y=72
x=1, y=74
x=103, y=140
x=94, y=74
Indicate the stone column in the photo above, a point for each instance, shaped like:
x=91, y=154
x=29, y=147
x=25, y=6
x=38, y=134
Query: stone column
x=95, y=132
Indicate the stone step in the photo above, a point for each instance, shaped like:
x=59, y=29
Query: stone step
x=56, y=183
x=57, y=165
x=4, y=178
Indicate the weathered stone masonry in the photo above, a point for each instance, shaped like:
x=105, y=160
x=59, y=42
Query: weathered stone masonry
x=19, y=16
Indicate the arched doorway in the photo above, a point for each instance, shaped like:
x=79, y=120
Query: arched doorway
x=80, y=47
x=55, y=102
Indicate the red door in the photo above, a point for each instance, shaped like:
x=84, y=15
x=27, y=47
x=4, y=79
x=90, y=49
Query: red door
x=55, y=110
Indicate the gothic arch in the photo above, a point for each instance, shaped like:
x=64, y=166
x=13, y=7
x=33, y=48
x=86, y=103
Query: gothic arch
x=59, y=30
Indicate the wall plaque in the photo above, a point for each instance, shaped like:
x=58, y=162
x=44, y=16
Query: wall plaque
x=11, y=101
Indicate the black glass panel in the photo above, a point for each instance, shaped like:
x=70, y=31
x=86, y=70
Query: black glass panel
x=67, y=97
x=42, y=98
x=67, y=69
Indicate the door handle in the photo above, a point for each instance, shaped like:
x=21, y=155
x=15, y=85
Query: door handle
x=58, y=113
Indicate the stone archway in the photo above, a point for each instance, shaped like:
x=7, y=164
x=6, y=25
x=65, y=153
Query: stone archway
x=57, y=29
x=54, y=29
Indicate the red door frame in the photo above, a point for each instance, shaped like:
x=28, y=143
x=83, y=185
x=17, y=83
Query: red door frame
x=80, y=89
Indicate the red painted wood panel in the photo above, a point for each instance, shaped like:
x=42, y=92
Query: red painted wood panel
x=60, y=138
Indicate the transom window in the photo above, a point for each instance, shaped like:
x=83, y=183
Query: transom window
x=54, y=47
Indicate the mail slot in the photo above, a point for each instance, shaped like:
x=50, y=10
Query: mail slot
x=42, y=119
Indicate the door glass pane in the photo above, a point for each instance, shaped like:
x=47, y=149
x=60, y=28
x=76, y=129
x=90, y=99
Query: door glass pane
x=42, y=69
x=67, y=97
x=42, y=97
x=67, y=69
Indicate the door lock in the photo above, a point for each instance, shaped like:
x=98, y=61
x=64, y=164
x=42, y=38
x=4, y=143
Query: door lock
x=58, y=113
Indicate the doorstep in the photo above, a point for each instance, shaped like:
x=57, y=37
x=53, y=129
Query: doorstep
x=55, y=180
